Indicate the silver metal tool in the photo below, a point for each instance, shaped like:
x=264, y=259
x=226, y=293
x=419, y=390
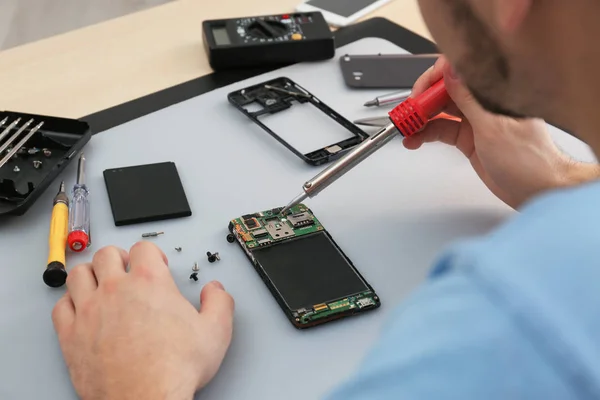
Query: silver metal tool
x=21, y=143
x=16, y=169
x=152, y=234
x=178, y=249
x=37, y=164
x=392, y=98
x=412, y=114
x=344, y=164
x=15, y=136
x=9, y=128
x=194, y=274
x=3, y=122
x=378, y=122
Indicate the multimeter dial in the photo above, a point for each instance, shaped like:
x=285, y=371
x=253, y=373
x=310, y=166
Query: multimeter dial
x=267, y=40
x=266, y=29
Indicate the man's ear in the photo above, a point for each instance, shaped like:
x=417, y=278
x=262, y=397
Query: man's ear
x=511, y=14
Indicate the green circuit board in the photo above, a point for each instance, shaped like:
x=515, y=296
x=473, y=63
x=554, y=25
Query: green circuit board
x=318, y=311
x=267, y=227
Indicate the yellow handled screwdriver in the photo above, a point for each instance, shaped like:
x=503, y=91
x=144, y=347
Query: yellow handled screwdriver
x=56, y=272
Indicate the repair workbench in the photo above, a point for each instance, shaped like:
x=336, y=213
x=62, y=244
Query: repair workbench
x=392, y=216
x=85, y=71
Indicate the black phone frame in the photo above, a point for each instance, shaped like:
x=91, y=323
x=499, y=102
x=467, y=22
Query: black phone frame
x=272, y=97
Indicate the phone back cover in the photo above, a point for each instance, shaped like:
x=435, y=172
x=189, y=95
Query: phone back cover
x=385, y=71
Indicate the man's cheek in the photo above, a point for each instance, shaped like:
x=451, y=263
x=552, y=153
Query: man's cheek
x=438, y=18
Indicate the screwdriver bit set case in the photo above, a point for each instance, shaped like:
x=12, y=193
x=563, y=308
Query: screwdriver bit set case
x=34, y=151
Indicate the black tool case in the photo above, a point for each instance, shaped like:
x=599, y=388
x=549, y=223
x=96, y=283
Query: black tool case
x=21, y=183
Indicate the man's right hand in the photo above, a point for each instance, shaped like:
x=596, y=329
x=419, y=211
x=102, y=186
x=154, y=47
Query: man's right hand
x=516, y=159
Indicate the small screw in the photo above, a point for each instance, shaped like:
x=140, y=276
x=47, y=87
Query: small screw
x=178, y=249
x=152, y=234
x=195, y=268
x=16, y=169
x=230, y=238
x=213, y=257
x=22, y=151
x=33, y=150
x=37, y=164
x=47, y=152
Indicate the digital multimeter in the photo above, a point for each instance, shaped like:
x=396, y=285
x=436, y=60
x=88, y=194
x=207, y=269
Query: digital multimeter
x=267, y=40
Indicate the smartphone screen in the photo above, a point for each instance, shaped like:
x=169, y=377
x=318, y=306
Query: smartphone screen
x=345, y=8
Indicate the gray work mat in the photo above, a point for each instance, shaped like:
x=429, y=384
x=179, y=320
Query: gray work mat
x=392, y=216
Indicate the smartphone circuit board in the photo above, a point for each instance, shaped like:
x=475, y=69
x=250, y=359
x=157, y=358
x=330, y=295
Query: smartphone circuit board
x=308, y=274
x=266, y=227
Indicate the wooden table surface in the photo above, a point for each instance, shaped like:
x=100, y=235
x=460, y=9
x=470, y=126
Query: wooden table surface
x=100, y=66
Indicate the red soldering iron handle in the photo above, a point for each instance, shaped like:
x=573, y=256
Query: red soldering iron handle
x=413, y=114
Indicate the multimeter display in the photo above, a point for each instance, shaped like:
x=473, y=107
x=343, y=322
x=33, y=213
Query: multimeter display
x=268, y=40
x=221, y=36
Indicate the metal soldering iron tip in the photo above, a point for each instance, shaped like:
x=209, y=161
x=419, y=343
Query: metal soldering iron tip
x=371, y=103
x=297, y=200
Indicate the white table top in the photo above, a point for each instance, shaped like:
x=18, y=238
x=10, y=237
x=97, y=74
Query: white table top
x=392, y=216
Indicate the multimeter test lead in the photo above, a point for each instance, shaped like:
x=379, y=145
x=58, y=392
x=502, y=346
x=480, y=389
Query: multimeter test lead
x=406, y=119
x=79, y=215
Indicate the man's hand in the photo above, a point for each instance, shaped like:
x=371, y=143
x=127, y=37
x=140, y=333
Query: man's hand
x=516, y=159
x=132, y=335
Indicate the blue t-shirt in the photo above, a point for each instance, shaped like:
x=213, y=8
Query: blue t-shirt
x=512, y=315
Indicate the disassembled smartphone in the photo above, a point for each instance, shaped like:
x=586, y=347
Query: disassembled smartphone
x=280, y=94
x=311, y=278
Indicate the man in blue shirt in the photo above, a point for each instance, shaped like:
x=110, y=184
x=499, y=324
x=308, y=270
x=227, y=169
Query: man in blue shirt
x=507, y=316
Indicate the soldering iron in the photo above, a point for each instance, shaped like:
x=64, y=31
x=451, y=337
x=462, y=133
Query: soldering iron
x=406, y=119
